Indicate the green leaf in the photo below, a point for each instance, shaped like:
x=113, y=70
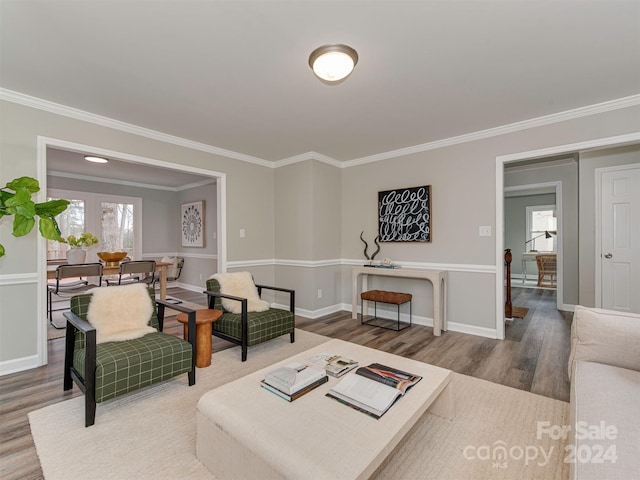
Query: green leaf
x=21, y=197
x=52, y=207
x=1, y=250
x=49, y=228
x=26, y=210
x=22, y=225
x=31, y=184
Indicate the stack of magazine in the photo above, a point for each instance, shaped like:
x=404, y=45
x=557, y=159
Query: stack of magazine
x=294, y=380
x=373, y=389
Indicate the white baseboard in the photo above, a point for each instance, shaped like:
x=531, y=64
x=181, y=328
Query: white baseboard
x=473, y=330
x=382, y=313
x=19, y=364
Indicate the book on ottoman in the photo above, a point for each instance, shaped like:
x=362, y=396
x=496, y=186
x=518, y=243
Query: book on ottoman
x=293, y=380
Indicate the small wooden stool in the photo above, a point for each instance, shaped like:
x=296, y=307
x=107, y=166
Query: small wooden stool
x=394, y=298
x=204, y=321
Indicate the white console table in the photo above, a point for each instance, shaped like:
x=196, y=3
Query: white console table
x=438, y=279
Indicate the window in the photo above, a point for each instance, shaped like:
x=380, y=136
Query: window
x=115, y=220
x=541, y=219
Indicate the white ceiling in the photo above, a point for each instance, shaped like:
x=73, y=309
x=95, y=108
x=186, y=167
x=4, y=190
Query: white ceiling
x=72, y=164
x=234, y=74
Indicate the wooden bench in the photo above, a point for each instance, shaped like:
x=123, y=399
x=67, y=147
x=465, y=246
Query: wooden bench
x=382, y=296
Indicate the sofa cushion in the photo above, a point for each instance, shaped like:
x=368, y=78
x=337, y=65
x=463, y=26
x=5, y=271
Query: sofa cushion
x=122, y=367
x=605, y=336
x=602, y=393
x=262, y=326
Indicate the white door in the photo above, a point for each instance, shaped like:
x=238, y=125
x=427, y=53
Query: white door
x=620, y=239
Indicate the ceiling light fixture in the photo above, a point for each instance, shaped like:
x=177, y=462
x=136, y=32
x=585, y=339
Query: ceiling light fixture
x=333, y=63
x=93, y=159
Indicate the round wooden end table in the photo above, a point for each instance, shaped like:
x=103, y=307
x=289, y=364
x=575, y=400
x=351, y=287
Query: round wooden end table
x=204, y=321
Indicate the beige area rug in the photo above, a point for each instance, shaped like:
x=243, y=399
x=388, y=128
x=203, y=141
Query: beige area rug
x=59, y=320
x=151, y=433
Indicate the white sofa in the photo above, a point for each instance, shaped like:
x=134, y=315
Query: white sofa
x=604, y=369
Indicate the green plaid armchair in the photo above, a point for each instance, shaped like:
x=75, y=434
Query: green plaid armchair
x=106, y=370
x=251, y=328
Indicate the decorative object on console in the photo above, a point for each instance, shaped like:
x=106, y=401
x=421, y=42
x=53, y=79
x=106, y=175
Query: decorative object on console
x=192, y=224
x=404, y=214
x=366, y=247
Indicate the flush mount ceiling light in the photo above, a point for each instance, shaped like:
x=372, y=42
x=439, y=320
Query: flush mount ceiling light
x=93, y=159
x=333, y=63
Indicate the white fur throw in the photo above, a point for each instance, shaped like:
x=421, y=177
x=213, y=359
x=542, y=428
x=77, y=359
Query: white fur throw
x=240, y=284
x=120, y=313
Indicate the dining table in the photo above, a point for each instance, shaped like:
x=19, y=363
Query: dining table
x=161, y=267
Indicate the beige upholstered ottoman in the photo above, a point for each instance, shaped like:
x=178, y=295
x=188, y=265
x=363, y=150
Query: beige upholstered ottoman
x=244, y=431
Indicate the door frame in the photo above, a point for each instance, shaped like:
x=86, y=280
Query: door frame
x=501, y=161
x=559, y=252
x=41, y=174
x=598, y=243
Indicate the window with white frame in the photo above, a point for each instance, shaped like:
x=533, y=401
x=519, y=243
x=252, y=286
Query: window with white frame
x=115, y=220
x=541, y=219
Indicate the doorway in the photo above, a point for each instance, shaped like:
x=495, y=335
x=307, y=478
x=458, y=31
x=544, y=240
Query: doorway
x=44, y=144
x=501, y=162
x=521, y=203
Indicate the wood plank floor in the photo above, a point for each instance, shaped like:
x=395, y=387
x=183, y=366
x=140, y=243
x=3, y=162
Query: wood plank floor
x=533, y=357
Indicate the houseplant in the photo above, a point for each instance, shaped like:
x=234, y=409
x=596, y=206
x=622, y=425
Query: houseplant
x=15, y=200
x=77, y=251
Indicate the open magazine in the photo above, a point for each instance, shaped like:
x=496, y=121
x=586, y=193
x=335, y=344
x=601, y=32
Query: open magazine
x=373, y=389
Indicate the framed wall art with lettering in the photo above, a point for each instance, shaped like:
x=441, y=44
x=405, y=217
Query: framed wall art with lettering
x=404, y=214
x=192, y=224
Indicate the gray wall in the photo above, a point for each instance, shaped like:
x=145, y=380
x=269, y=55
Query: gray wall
x=308, y=232
x=259, y=198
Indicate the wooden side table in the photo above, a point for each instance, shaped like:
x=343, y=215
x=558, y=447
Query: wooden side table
x=204, y=321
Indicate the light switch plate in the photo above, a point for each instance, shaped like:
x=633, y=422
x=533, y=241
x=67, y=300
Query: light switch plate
x=485, y=231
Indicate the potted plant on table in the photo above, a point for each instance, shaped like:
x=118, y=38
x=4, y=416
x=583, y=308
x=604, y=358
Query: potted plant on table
x=78, y=246
x=15, y=200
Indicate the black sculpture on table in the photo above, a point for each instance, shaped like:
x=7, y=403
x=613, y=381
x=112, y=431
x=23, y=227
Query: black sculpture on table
x=366, y=247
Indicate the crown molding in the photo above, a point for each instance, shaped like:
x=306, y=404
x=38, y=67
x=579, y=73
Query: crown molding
x=38, y=103
x=308, y=156
x=617, y=104
x=51, y=107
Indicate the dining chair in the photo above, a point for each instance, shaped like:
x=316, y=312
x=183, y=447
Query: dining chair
x=136, y=271
x=547, y=270
x=62, y=289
